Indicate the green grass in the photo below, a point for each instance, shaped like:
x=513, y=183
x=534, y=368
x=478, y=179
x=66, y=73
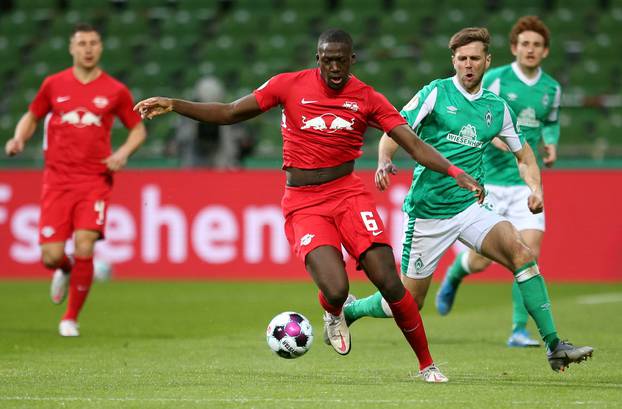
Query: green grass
x=202, y=344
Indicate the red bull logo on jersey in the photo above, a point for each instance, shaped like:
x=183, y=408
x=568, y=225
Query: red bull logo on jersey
x=100, y=102
x=80, y=118
x=328, y=122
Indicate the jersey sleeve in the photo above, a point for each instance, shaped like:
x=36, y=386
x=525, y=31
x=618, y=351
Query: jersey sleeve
x=382, y=114
x=492, y=81
x=420, y=105
x=271, y=93
x=124, y=109
x=550, y=130
x=42, y=104
x=513, y=138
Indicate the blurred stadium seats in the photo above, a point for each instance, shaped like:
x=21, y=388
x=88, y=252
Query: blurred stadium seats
x=163, y=47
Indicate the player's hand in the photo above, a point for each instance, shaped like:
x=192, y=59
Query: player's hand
x=383, y=175
x=115, y=161
x=466, y=181
x=535, y=202
x=14, y=146
x=550, y=155
x=151, y=107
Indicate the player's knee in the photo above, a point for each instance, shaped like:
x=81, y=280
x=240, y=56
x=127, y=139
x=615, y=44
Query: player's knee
x=336, y=296
x=521, y=255
x=84, y=248
x=51, y=260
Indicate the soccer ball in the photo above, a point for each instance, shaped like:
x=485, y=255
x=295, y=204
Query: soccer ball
x=289, y=335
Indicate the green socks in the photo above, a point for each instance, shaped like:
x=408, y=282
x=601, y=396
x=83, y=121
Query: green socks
x=456, y=271
x=519, y=312
x=365, y=307
x=536, y=299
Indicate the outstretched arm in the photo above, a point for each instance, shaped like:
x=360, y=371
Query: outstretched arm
x=424, y=154
x=530, y=173
x=212, y=112
x=23, y=132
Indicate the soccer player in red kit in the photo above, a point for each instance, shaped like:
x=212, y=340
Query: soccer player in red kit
x=79, y=105
x=325, y=114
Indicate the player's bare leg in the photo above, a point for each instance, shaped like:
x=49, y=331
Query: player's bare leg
x=504, y=245
x=54, y=258
x=470, y=262
x=80, y=280
x=325, y=264
x=379, y=265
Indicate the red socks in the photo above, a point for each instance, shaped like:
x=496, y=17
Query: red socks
x=328, y=307
x=65, y=264
x=406, y=315
x=79, y=286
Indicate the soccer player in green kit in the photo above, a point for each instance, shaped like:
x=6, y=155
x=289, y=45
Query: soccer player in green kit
x=534, y=96
x=460, y=119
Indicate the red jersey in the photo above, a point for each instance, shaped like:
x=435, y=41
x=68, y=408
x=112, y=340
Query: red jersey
x=77, y=126
x=323, y=127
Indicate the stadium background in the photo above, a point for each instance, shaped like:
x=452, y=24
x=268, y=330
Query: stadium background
x=162, y=47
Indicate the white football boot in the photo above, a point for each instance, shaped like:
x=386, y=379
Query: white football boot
x=58, y=288
x=432, y=374
x=69, y=328
x=337, y=331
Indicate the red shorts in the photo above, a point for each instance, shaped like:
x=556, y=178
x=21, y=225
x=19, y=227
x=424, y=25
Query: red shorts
x=64, y=211
x=340, y=212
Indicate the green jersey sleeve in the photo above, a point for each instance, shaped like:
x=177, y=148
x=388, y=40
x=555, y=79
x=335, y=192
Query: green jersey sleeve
x=420, y=105
x=509, y=131
x=550, y=130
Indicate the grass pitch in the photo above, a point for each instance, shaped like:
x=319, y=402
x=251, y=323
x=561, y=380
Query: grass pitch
x=202, y=344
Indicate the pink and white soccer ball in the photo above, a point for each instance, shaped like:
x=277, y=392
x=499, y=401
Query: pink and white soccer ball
x=289, y=335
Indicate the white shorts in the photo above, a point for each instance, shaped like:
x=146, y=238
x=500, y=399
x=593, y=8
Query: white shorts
x=426, y=240
x=511, y=202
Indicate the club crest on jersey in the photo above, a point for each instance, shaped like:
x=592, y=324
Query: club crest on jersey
x=488, y=118
x=328, y=122
x=100, y=102
x=351, y=105
x=545, y=100
x=80, y=118
x=467, y=136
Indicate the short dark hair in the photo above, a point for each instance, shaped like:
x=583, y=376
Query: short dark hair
x=334, y=36
x=84, y=27
x=529, y=23
x=470, y=35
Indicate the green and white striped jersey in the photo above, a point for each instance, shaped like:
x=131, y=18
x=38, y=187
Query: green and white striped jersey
x=460, y=126
x=536, y=104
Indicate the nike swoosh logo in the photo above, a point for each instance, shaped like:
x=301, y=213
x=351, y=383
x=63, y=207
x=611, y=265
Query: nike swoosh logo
x=376, y=233
x=62, y=99
x=343, y=344
x=306, y=101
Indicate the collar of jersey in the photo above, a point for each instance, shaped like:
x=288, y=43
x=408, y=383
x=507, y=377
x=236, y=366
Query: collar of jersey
x=328, y=90
x=470, y=97
x=523, y=77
